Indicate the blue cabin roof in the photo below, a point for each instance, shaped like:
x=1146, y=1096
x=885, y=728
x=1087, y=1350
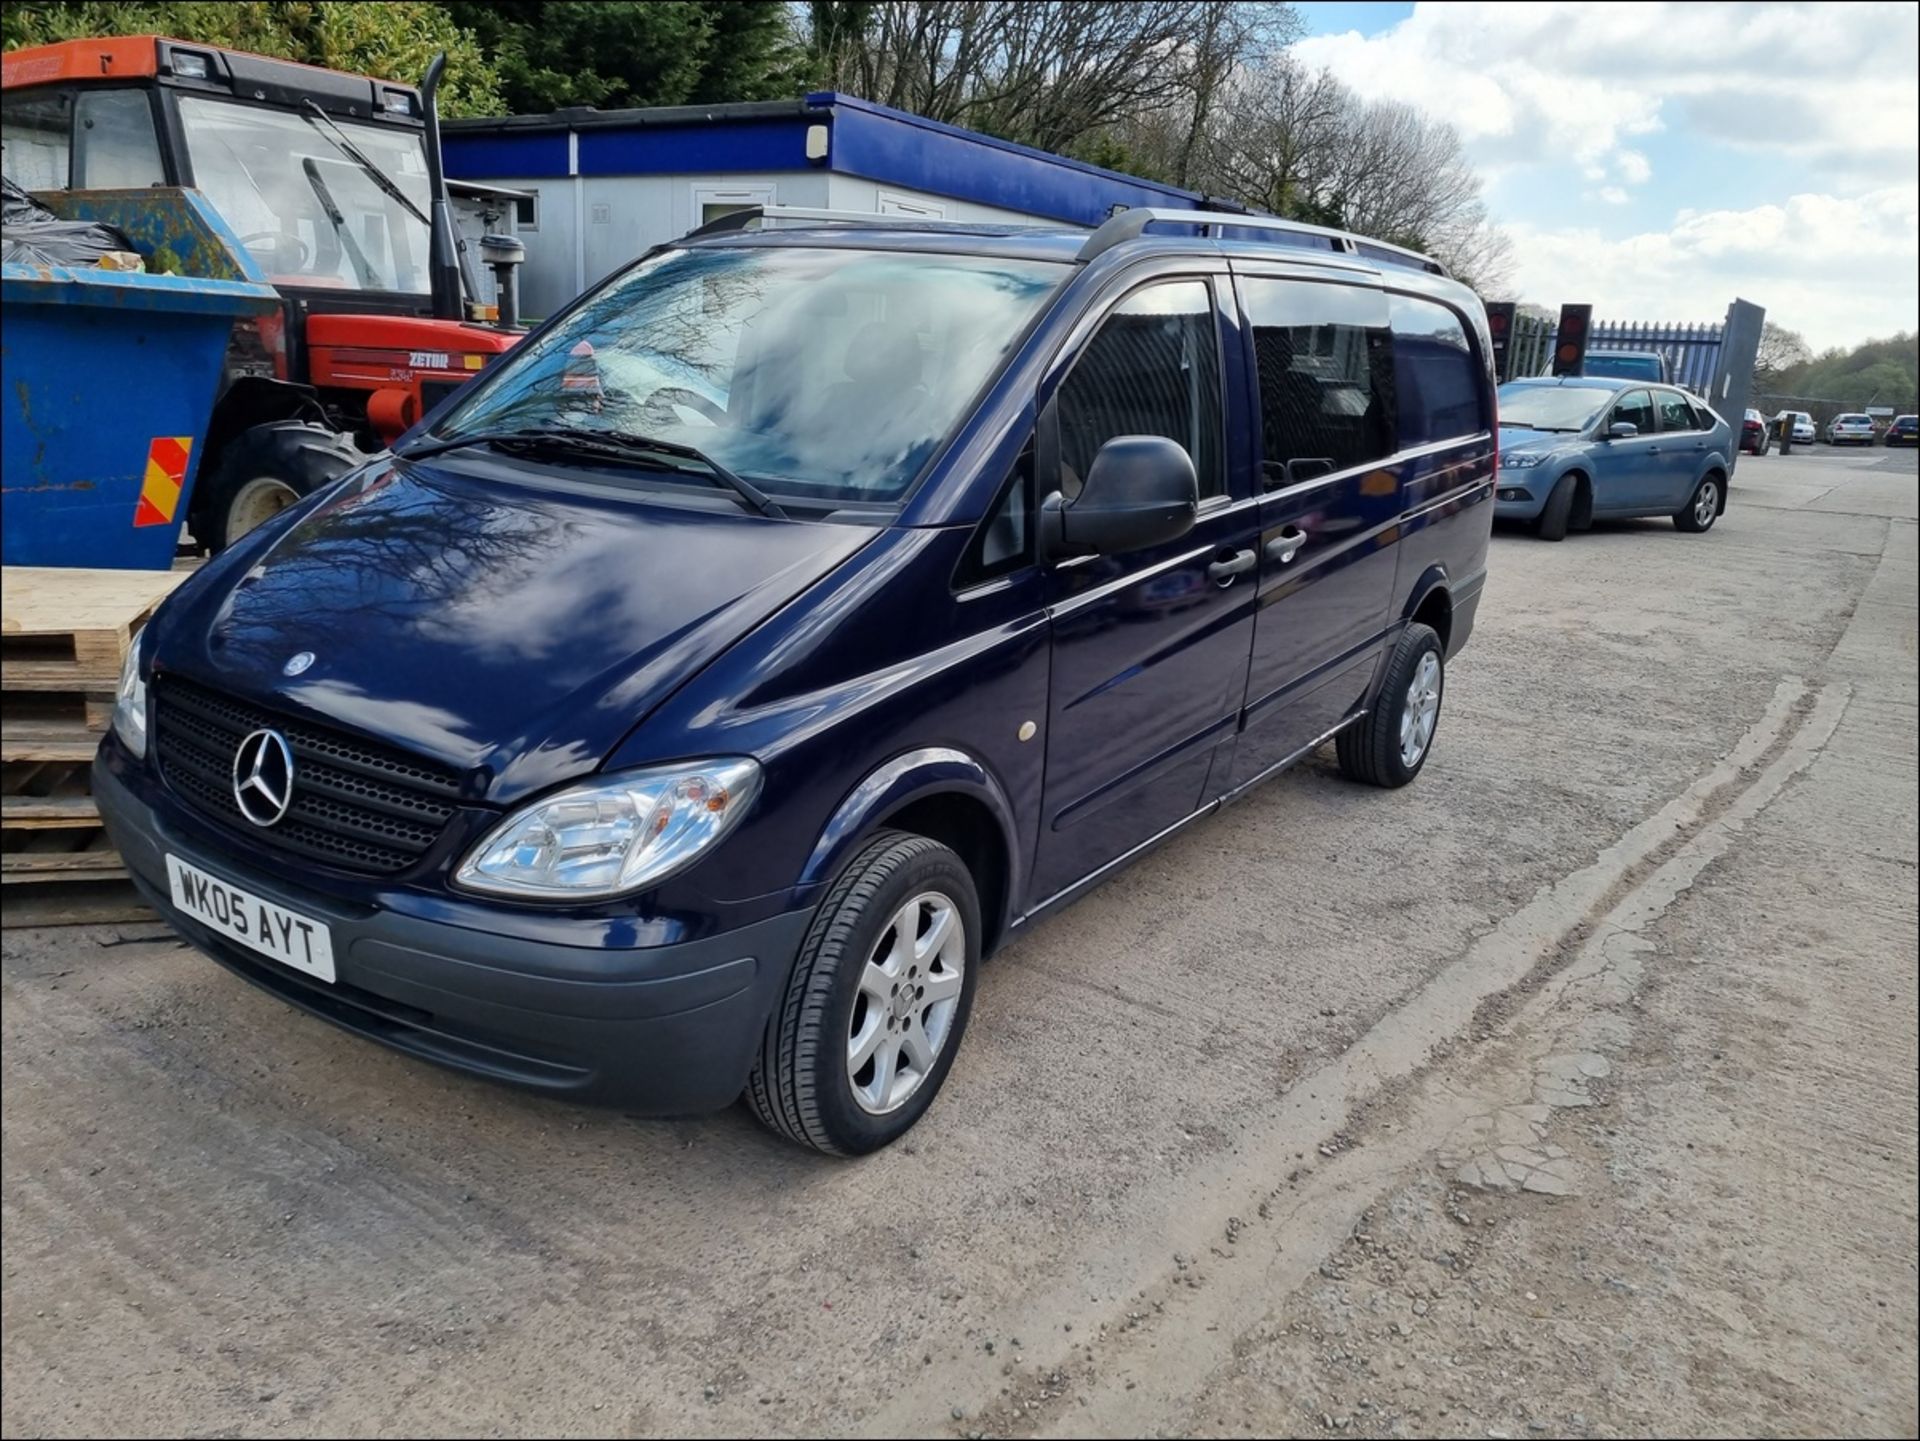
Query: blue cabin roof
x=875, y=142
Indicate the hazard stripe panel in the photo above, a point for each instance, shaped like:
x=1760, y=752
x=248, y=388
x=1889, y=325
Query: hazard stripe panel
x=165, y=478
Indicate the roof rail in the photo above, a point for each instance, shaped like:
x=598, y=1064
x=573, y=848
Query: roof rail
x=1131, y=224
x=740, y=219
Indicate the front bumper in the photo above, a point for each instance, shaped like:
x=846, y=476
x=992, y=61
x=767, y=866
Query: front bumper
x=659, y=1030
x=1521, y=494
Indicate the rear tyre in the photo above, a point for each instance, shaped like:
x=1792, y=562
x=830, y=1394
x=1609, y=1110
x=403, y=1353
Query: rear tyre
x=1391, y=743
x=1559, y=510
x=866, y=1031
x=264, y=470
x=1698, y=515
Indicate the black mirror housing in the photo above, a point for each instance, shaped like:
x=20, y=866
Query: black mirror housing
x=1140, y=491
x=1622, y=430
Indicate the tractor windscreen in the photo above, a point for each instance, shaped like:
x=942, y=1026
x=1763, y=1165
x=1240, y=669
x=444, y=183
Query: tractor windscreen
x=309, y=213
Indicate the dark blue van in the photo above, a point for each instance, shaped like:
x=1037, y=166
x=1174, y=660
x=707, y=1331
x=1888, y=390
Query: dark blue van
x=689, y=706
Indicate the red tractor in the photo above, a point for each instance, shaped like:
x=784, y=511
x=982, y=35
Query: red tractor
x=332, y=182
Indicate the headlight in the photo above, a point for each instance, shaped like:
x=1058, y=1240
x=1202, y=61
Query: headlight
x=613, y=835
x=1521, y=459
x=130, y=701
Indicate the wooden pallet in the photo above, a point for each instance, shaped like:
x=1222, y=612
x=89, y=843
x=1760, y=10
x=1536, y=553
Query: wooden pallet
x=63, y=637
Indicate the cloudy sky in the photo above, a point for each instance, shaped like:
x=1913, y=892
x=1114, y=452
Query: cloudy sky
x=1659, y=159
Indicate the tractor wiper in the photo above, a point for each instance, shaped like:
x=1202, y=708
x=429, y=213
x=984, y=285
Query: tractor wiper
x=353, y=152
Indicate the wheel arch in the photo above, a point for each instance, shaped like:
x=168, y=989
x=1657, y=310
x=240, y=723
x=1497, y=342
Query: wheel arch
x=1430, y=603
x=1717, y=470
x=251, y=400
x=947, y=796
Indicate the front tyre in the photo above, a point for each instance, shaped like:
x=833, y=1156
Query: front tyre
x=866, y=1031
x=1558, y=511
x=1391, y=743
x=1699, y=514
x=264, y=470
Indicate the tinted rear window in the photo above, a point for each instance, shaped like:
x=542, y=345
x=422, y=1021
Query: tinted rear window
x=1326, y=383
x=1439, y=384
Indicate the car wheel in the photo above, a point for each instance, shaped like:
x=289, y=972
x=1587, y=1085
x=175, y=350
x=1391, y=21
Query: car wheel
x=264, y=470
x=1699, y=514
x=873, y=1012
x=1552, y=524
x=1389, y=745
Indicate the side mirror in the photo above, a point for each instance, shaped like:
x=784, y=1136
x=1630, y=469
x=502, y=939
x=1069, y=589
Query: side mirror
x=1140, y=491
x=1622, y=430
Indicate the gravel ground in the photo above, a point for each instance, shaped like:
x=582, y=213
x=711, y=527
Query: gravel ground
x=1570, y=1090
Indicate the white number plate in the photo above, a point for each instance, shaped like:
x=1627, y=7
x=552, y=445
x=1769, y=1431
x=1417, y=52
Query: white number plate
x=289, y=937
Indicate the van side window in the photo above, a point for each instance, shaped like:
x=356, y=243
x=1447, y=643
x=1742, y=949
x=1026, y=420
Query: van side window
x=1005, y=542
x=1326, y=376
x=1153, y=368
x=1440, y=384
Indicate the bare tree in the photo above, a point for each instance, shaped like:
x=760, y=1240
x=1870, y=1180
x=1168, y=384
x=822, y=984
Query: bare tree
x=1780, y=350
x=1300, y=144
x=1202, y=93
x=1051, y=73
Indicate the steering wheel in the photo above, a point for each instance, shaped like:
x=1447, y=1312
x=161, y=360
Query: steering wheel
x=658, y=405
x=280, y=239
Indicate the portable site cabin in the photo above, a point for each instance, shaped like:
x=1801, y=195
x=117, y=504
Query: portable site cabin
x=601, y=187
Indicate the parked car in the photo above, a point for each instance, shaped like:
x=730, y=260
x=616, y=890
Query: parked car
x=1627, y=365
x=1853, y=428
x=1904, y=430
x=1576, y=448
x=1803, y=431
x=1756, y=436
x=649, y=758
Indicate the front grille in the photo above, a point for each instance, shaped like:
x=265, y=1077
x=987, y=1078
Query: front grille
x=356, y=804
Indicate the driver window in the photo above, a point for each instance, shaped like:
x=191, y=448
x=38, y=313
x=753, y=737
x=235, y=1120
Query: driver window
x=1635, y=407
x=1153, y=368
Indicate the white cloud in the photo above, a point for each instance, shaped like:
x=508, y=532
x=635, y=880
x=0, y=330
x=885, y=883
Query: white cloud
x=1837, y=269
x=1558, y=89
x=1831, y=84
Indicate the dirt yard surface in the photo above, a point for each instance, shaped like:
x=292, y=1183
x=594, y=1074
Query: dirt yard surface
x=1570, y=1091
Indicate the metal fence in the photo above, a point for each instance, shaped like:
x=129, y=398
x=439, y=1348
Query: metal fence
x=1692, y=351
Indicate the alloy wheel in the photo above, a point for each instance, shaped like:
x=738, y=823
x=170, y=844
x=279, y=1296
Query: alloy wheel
x=909, y=994
x=1421, y=711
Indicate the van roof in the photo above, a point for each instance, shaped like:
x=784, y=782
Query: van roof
x=1224, y=232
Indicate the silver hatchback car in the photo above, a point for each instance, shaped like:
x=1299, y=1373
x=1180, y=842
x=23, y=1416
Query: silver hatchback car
x=1852, y=428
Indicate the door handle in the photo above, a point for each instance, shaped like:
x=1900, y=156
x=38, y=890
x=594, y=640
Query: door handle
x=1286, y=545
x=1222, y=571
x=1653, y=450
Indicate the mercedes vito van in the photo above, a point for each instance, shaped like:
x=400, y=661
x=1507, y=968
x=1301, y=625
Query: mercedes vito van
x=686, y=708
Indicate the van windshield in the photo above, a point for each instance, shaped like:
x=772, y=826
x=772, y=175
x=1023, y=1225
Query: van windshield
x=813, y=372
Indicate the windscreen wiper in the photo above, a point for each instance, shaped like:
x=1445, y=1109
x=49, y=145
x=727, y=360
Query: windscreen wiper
x=617, y=445
x=353, y=152
x=339, y=223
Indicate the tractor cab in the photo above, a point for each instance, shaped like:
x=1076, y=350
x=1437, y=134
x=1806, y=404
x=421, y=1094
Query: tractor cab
x=329, y=181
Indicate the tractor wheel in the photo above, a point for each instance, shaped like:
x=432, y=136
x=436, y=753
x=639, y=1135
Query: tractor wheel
x=264, y=470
